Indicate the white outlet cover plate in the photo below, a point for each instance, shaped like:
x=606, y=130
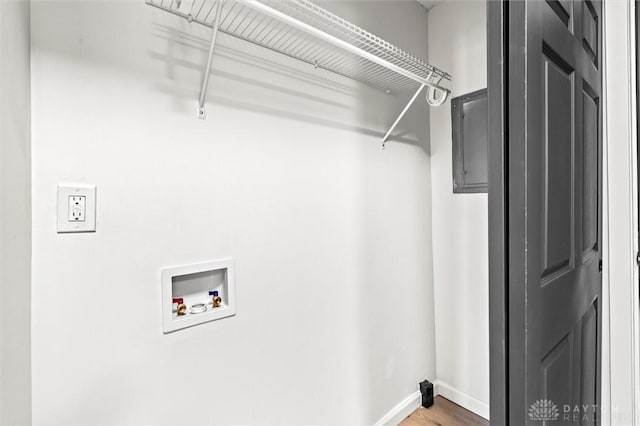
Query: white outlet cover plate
x=64, y=224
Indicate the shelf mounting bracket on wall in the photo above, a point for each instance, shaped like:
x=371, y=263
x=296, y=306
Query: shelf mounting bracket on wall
x=404, y=111
x=432, y=99
x=205, y=78
x=304, y=31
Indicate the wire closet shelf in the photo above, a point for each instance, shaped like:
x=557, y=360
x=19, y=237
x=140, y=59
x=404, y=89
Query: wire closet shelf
x=304, y=31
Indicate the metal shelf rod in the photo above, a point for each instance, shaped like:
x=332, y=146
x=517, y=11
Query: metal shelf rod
x=205, y=77
x=283, y=17
x=404, y=111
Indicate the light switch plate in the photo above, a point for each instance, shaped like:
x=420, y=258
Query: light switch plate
x=76, y=208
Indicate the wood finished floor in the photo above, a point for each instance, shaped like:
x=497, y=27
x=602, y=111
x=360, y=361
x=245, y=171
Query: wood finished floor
x=444, y=413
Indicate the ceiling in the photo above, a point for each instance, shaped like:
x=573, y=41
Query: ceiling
x=429, y=3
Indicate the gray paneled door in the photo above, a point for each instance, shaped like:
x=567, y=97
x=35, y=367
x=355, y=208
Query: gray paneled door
x=554, y=212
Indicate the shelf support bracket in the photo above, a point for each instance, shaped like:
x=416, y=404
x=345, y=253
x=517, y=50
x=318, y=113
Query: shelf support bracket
x=205, y=78
x=404, y=111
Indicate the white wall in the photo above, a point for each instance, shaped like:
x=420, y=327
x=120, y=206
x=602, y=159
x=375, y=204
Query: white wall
x=15, y=214
x=331, y=235
x=457, y=44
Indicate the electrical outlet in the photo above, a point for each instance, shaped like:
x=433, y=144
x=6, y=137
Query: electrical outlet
x=76, y=209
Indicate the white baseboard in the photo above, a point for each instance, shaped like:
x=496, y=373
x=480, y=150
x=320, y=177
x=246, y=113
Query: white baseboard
x=411, y=403
x=401, y=411
x=464, y=400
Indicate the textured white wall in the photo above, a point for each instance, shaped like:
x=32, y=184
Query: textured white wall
x=15, y=214
x=457, y=44
x=331, y=235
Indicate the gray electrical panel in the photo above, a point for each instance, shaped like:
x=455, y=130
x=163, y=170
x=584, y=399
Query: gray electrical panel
x=469, y=121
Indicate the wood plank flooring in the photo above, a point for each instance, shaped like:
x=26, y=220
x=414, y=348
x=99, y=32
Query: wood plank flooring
x=444, y=413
